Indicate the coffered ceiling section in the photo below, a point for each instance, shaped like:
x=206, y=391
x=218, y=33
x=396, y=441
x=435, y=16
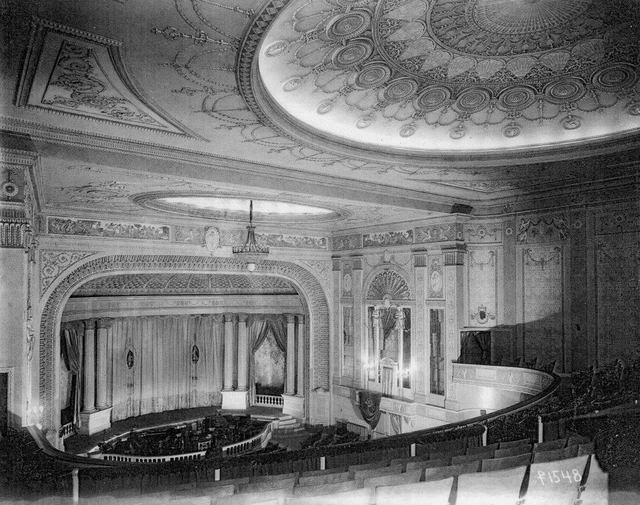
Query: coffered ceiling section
x=453, y=75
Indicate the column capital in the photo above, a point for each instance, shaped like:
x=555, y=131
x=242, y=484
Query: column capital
x=291, y=318
x=242, y=318
x=420, y=259
x=300, y=318
x=454, y=254
x=90, y=324
x=104, y=323
x=229, y=317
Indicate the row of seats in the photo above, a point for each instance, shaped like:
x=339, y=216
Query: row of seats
x=570, y=481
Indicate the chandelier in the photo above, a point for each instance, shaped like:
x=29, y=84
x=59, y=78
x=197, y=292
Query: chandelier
x=251, y=253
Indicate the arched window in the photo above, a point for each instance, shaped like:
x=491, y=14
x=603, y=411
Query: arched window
x=388, y=363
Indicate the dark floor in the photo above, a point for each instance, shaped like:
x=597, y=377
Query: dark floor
x=81, y=444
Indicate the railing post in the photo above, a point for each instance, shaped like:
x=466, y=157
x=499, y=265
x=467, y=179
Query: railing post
x=76, y=486
x=322, y=463
x=484, y=435
x=413, y=450
x=540, y=430
x=216, y=474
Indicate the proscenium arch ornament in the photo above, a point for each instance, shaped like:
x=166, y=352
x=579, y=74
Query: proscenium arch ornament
x=314, y=298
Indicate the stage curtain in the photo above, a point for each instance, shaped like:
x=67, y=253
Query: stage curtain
x=208, y=337
x=71, y=352
x=257, y=329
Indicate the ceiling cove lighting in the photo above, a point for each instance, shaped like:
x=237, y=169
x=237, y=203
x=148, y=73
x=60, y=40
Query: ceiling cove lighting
x=251, y=253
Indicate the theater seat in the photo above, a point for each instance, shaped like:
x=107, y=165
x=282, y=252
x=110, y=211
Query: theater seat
x=595, y=490
x=362, y=496
x=555, y=482
x=492, y=465
x=490, y=488
x=457, y=460
x=481, y=449
x=421, y=493
x=275, y=482
x=512, y=443
x=551, y=445
x=322, y=489
x=375, y=472
x=444, y=472
x=430, y=463
x=316, y=480
x=587, y=448
x=516, y=450
x=268, y=497
x=393, y=479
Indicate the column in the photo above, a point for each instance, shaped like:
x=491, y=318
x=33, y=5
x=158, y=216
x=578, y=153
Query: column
x=243, y=353
x=419, y=346
x=300, y=376
x=228, y=352
x=291, y=355
x=88, y=369
x=218, y=366
x=101, y=363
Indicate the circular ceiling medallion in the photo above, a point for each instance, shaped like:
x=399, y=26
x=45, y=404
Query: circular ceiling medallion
x=373, y=75
x=517, y=98
x=614, y=77
x=399, y=89
x=348, y=25
x=432, y=98
x=568, y=89
x=473, y=100
x=236, y=208
x=354, y=53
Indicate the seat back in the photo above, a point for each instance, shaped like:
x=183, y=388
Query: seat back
x=393, y=479
x=595, y=489
x=367, y=466
x=322, y=489
x=434, y=493
x=555, y=482
x=516, y=450
x=444, y=472
x=362, y=496
x=587, y=448
x=491, y=487
x=430, y=463
x=375, y=472
x=495, y=464
x=551, y=445
x=482, y=449
x=317, y=480
x=267, y=485
x=457, y=460
x=511, y=443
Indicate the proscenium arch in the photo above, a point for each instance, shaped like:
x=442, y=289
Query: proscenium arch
x=317, y=352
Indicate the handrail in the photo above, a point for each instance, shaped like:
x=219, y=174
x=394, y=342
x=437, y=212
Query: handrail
x=237, y=448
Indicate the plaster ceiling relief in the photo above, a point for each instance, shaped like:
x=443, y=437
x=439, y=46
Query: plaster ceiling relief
x=89, y=189
x=420, y=77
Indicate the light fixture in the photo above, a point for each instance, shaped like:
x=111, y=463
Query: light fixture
x=251, y=253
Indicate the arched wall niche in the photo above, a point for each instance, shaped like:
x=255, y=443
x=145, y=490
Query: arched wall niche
x=313, y=297
x=388, y=280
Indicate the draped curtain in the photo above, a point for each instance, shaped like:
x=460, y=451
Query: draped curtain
x=162, y=375
x=258, y=328
x=71, y=353
x=370, y=407
x=390, y=342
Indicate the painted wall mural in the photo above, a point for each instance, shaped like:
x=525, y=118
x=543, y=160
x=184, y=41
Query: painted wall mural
x=388, y=238
x=439, y=233
x=107, y=229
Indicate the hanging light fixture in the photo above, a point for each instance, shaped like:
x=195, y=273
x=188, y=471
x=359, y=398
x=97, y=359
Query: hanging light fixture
x=251, y=253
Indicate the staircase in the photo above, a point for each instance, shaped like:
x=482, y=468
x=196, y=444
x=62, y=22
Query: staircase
x=289, y=434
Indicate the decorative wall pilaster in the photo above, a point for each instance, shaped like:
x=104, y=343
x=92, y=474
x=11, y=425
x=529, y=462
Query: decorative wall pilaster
x=229, y=323
x=454, y=281
x=419, y=334
x=290, y=387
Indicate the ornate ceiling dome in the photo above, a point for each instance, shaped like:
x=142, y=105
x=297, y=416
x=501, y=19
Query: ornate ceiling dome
x=419, y=76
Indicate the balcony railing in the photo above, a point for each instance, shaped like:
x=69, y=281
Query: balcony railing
x=269, y=401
